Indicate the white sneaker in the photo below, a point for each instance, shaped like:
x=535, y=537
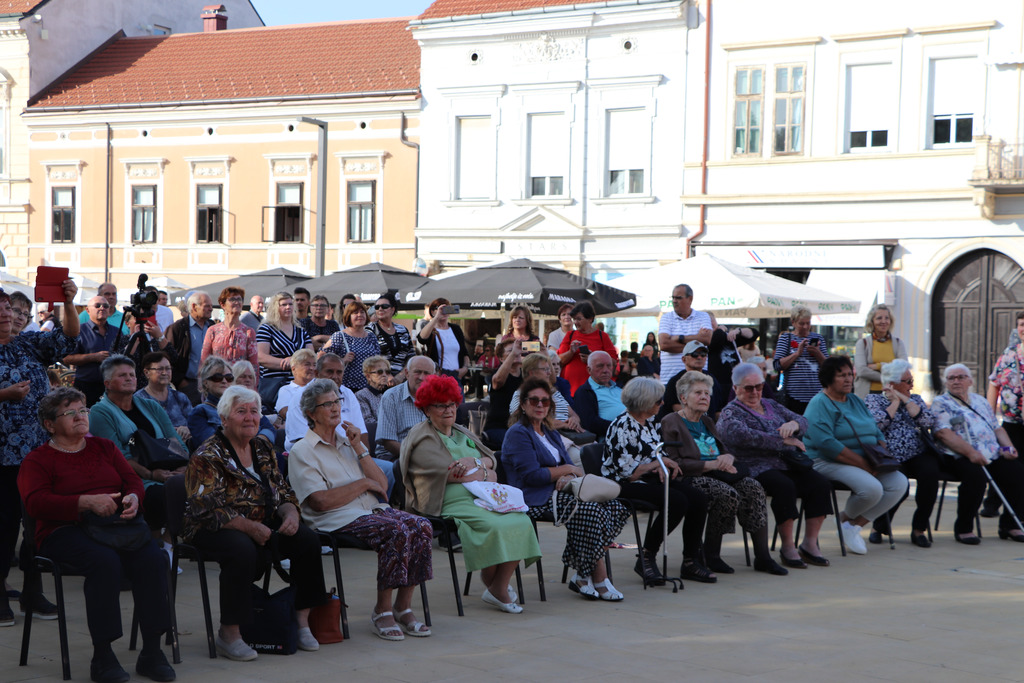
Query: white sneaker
x=854, y=542
x=170, y=554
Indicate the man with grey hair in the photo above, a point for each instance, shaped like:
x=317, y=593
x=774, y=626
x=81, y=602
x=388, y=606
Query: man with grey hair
x=255, y=315
x=679, y=327
x=108, y=290
x=398, y=413
x=187, y=337
x=97, y=339
x=598, y=401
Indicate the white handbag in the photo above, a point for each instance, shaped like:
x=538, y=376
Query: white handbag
x=590, y=488
x=490, y=495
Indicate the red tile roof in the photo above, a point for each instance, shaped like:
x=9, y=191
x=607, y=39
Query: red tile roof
x=291, y=61
x=18, y=6
x=457, y=8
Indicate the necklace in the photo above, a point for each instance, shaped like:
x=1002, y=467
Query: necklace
x=53, y=444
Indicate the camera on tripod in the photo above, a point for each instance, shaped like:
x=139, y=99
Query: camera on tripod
x=143, y=304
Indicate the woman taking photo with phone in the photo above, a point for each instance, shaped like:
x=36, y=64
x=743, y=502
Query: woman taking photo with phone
x=444, y=341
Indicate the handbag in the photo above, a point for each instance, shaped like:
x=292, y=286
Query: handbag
x=590, y=488
x=502, y=498
x=114, y=532
x=742, y=472
x=273, y=630
x=156, y=454
x=876, y=455
x=797, y=461
x=578, y=438
x=325, y=620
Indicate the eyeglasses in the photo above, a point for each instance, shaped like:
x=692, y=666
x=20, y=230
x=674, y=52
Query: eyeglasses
x=380, y=371
x=160, y=368
x=699, y=355
x=319, y=304
x=382, y=307
x=538, y=400
x=958, y=378
x=444, y=407
x=753, y=387
x=219, y=377
x=908, y=382
x=329, y=404
x=101, y=305
x=84, y=412
x=234, y=299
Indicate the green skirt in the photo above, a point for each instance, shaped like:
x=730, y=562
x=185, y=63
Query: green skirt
x=489, y=538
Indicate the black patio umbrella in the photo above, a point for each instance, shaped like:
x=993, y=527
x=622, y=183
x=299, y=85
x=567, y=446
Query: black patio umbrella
x=368, y=282
x=265, y=283
x=541, y=287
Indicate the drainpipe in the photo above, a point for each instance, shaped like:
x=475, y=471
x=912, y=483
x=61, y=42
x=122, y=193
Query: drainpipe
x=106, y=222
x=416, y=220
x=707, y=116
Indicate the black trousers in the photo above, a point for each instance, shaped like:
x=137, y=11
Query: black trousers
x=103, y=568
x=785, y=486
x=10, y=516
x=242, y=562
x=684, y=501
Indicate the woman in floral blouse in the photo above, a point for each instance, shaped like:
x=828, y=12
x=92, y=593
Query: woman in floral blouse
x=230, y=339
x=239, y=506
x=629, y=459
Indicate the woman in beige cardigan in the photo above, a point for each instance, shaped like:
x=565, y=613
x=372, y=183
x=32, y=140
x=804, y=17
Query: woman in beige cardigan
x=878, y=346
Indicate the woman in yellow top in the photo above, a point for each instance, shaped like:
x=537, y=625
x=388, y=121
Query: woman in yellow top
x=878, y=346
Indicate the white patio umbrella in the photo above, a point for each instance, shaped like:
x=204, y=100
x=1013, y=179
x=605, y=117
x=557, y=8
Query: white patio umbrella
x=729, y=290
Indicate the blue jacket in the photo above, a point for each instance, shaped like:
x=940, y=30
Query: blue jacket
x=203, y=421
x=527, y=460
x=110, y=422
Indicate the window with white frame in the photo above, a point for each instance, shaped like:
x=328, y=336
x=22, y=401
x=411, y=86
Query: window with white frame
x=209, y=213
x=955, y=99
x=288, y=213
x=361, y=210
x=143, y=213
x=870, y=106
x=549, y=154
x=63, y=216
x=475, y=153
x=749, y=101
x=629, y=151
x=789, y=109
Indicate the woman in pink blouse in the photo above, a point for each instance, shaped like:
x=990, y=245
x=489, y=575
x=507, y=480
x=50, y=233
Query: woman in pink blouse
x=231, y=339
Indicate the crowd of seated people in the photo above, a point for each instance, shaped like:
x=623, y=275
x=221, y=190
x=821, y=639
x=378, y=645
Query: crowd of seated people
x=362, y=439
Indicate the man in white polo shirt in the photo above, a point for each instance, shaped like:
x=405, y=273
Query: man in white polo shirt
x=679, y=327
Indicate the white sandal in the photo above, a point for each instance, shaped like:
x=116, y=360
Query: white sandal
x=610, y=594
x=385, y=632
x=584, y=586
x=412, y=627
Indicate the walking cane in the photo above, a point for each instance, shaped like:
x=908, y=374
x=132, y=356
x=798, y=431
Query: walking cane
x=676, y=582
x=1009, y=508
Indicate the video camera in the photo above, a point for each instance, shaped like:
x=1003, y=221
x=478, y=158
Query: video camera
x=143, y=303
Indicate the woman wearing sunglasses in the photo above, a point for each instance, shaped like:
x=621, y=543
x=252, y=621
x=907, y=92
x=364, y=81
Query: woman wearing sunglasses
x=393, y=338
x=537, y=462
x=214, y=379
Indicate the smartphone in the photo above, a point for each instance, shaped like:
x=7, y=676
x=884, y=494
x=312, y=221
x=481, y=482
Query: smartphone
x=450, y=310
x=584, y=349
x=531, y=347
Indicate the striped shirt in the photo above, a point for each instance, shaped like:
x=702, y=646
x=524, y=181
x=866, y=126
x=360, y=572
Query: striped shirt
x=281, y=345
x=801, y=379
x=673, y=325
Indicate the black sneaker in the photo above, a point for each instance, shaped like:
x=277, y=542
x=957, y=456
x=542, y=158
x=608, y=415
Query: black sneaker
x=41, y=608
x=155, y=667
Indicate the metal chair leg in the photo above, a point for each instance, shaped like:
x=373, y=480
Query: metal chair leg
x=62, y=622
x=839, y=524
x=205, y=592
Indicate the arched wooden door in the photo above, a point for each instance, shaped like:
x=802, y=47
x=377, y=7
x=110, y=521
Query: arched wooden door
x=974, y=307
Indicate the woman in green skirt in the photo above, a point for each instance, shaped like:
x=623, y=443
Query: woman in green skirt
x=437, y=457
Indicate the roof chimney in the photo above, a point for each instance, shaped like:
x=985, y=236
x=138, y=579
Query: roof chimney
x=215, y=18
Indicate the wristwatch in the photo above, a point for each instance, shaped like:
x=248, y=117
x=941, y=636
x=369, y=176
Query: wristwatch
x=360, y=456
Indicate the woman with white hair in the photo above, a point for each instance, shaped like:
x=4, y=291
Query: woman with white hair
x=967, y=429
x=629, y=459
x=905, y=420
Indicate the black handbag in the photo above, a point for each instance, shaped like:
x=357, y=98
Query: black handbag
x=114, y=532
x=157, y=454
x=797, y=461
x=876, y=455
x=273, y=630
x=742, y=472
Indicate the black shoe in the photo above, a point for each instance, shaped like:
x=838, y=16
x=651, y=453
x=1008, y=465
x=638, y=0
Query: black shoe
x=1007, y=536
x=647, y=567
x=154, y=667
x=920, y=540
x=966, y=540
x=694, y=570
x=41, y=608
x=718, y=565
x=875, y=537
x=108, y=672
x=989, y=511
x=816, y=560
x=6, y=616
x=792, y=563
x=769, y=566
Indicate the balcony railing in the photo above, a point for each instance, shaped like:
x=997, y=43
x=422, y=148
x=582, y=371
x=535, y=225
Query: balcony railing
x=997, y=163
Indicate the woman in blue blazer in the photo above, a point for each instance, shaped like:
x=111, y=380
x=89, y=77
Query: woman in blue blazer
x=536, y=461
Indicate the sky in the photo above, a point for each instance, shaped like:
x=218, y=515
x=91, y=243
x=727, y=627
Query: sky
x=278, y=12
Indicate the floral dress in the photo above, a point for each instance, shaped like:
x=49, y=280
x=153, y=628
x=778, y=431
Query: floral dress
x=231, y=344
x=628, y=444
x=362, y=347
x=973, y=422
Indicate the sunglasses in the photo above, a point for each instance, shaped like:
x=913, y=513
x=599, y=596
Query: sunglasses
x=220, y=377
x=101, y=305
x=753, y=387
x=382, y=307
x=538, y=400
